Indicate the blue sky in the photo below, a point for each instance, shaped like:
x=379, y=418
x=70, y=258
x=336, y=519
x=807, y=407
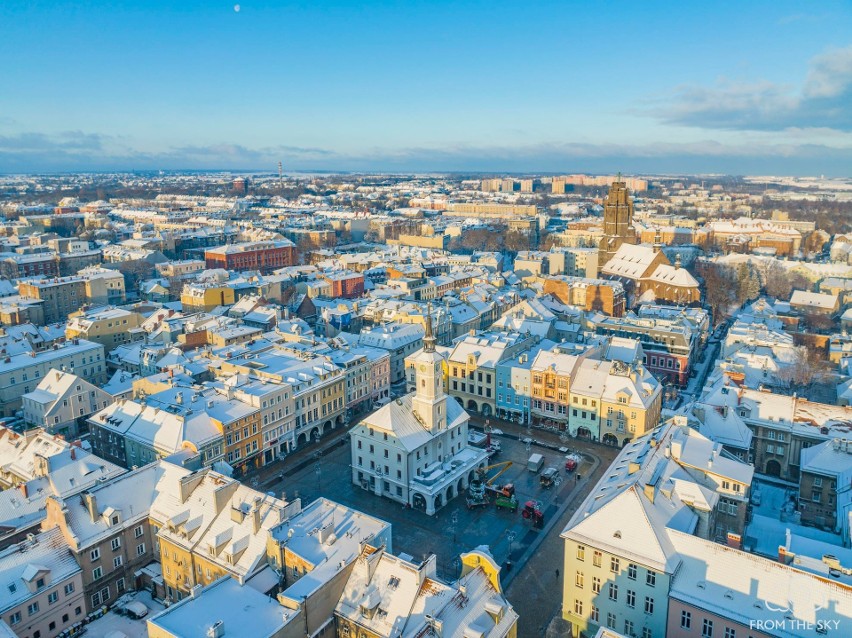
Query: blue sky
x=746, y=87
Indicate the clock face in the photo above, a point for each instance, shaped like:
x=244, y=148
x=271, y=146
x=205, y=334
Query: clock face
x=422, y=367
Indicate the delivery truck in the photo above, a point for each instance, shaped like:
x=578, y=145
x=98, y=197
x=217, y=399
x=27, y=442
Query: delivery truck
x=535, y=463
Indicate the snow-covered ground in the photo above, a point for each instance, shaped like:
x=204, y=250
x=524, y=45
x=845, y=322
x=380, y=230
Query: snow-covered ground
x=766, y=531
x=128, y=626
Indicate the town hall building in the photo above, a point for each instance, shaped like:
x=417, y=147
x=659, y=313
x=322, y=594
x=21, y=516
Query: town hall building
x=415, y=450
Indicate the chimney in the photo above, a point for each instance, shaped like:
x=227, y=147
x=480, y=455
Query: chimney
x=255, y=515
x=24, y=490
x=73, y=452
x=91, y=505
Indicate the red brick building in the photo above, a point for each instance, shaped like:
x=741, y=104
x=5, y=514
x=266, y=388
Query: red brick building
x=345, y=284
x=264, y=256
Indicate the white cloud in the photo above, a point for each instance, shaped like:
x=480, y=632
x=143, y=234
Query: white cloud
x=823, y=101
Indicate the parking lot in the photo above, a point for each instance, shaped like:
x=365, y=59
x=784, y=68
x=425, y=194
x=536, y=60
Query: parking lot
x=455, y=528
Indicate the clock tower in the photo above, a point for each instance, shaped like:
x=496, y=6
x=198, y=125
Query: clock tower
x=430, y=402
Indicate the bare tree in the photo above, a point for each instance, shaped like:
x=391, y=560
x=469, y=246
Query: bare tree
x=806, y=368
x=719, y=287
x=777, y=282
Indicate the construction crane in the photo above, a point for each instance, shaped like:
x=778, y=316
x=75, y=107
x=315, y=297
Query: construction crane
x=504, y=465
x=506, y=490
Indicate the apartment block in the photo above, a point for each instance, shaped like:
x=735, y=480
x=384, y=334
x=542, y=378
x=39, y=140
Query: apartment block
x=43, y=586
x=62, y=402
x=264, y=256
x=21, y=373
x=111, y=327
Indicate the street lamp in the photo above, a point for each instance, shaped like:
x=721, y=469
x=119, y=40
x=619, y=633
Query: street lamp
x=510, y=536
x=318, y=472
x=454, y=519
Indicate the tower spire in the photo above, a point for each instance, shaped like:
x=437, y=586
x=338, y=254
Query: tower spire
x=428, y=339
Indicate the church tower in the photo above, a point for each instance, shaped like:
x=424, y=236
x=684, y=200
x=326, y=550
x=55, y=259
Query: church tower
x=618, y=221
x=430, y=402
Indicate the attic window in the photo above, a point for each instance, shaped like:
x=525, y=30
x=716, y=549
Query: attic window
x=114, y=519
x=617, y=534
x=12, y=588
x=393, y=583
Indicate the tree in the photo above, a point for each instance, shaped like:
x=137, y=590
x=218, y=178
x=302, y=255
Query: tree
x=818, y=321
x=517, y=241
x=806, y=368
x=719, y=286
x=546, y=241
x=777, y=282
x=748, y=283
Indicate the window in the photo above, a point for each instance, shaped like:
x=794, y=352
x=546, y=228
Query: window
x=32, y=608
x=115, y=544
x=52, y=597
x=596, y=614
x=140, y=549
x=596, y=559
x=646, y=631
x=39, y=583
x=707, y=628
x=95, y=553
x=596, y=585
x=610, y=620
x=614, y=564
x=578, y=580
x=116, y=562
x=578, y=607
x=69, y=589
x=15, y=618
x=730, y=632
x=613, y=591
x=631, y=598
x=137, y=532
x=631, y=571
x=651, y=578
x=628, y=628
x=581, y=552
x=685, y=620
x=649, y=605
x=119, y=585
x=97, y=572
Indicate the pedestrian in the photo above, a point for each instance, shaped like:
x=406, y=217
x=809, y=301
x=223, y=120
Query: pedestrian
x=557, y=574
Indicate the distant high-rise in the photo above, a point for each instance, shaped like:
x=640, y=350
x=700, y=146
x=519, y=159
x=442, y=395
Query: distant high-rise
x=618, y=221
x=240, y=186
